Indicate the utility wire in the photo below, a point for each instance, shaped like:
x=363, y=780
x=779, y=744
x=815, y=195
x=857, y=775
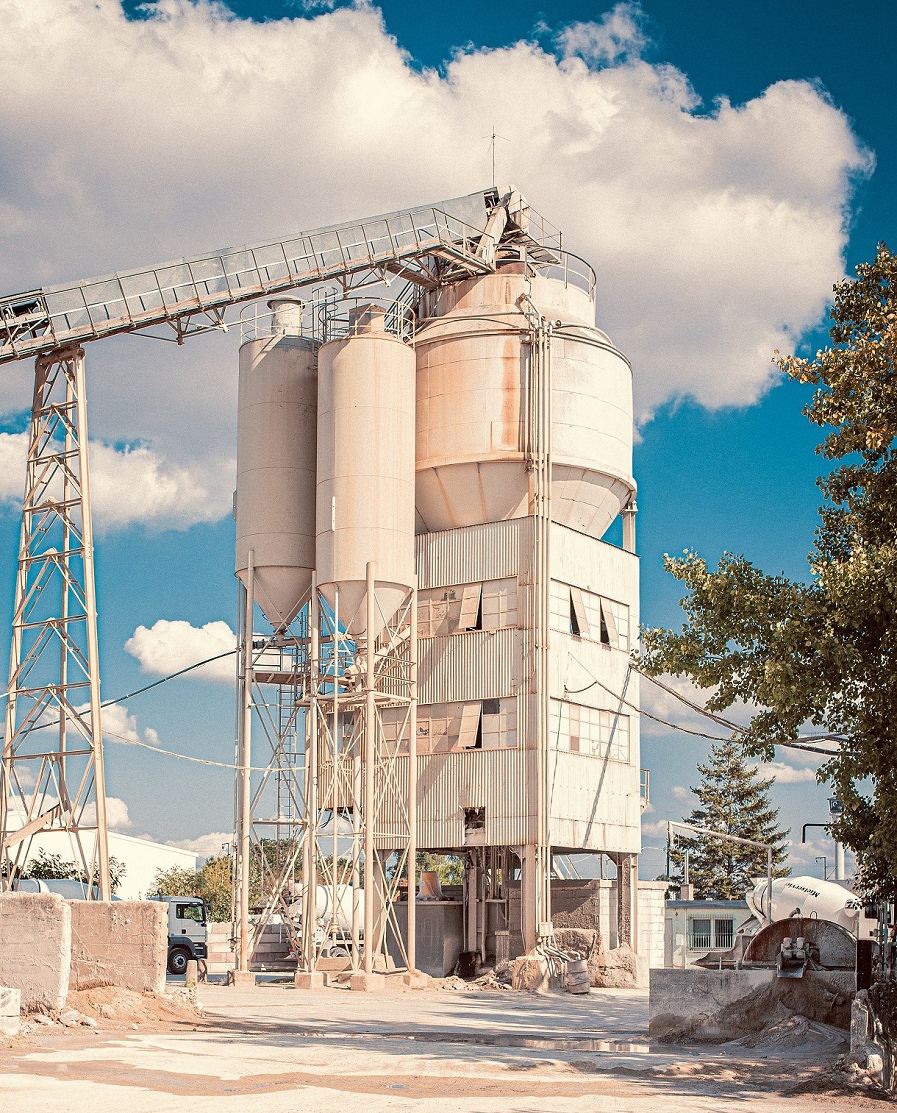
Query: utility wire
x=182, y=757
x=702, y=710
x=802, y=742
x=165, y=679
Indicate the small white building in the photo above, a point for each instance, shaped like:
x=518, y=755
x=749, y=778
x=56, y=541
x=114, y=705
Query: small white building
x=142, y=859
x=696, y=929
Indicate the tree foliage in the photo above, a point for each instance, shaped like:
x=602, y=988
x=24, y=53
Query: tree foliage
x=732, y=799
x=821, y=652
x=448, y=867
x=49, y=867
x=213, y=882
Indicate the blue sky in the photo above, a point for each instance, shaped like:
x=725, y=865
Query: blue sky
x=190, y=130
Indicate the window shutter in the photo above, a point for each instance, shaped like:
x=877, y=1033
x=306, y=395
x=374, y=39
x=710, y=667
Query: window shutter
x=470, y=607
x=610, y=623
x=578, y=607
x=470, y=725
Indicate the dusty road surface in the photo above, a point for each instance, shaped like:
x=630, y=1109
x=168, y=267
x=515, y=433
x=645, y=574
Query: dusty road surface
x=275, y=1049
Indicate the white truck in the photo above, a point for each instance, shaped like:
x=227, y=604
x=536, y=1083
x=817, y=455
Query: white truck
x=187, y=931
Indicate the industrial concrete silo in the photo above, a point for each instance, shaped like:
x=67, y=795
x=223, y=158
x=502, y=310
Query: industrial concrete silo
x=365, y=494
x=474, y=357
x=276, y=449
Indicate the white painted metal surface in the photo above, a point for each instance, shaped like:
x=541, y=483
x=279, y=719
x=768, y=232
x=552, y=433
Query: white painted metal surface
x=365, y=485
x=473, y=435
x=276, y=462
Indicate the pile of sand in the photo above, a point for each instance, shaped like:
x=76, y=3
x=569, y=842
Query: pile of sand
x=115, y=1008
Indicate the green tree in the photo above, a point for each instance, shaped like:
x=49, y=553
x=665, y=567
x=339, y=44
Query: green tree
x=448, y=867
x=48, y=867
x=732, y=799
x=821, y=652
x=213, y=882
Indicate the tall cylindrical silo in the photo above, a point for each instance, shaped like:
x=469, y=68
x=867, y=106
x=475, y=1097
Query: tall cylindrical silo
x=365, y=494
x=474, y=356
x=276, y=460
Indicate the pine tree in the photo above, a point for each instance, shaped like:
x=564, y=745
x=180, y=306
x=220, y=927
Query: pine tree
x=734, y=800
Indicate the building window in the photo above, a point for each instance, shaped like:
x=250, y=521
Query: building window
x=724, y=934
x=706, y=933
x=587, y=615
x=699, y=933
x=471, y=616
x=471, y=733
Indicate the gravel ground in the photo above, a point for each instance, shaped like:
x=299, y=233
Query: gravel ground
x=276, y=1049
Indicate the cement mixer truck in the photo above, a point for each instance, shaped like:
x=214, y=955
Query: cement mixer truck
x=333, y=921
x=812, y=898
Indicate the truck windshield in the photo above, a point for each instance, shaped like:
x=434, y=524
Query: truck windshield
x=195, y=912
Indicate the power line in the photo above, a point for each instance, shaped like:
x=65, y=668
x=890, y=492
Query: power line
x=802, y=742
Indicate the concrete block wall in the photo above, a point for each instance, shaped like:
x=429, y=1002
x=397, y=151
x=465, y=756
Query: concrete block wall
x=271, y=952
x=122, y=943
x=10, y=1011
x=651, y=914
x=36, y=947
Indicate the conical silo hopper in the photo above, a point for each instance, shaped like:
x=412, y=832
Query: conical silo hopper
x=365, y=494
x=276, y=457
x=474, y=374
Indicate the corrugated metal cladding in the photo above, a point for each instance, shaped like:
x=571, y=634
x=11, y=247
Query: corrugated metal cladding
x=480, y=664
x=595, y=804
x=596, y=566
x=474, y=554
x=449, y=783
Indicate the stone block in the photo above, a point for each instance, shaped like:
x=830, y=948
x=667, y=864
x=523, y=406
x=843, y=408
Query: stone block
x=240, y=979
x=10, y=1011
x=415, y=979
x=530, y=973
x=314, y=980
x=36, y=947
x=124, y=943
x=367, y=983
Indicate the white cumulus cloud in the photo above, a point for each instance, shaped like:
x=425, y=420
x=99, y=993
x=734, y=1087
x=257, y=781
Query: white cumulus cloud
x=716, y=230
x=170, y=645
x=617, y=35
x=783, y=773
x=206, y=846
x=135, y=485
x=118, y=817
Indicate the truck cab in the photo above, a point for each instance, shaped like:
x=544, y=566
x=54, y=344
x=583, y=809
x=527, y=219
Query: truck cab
x=187, y=931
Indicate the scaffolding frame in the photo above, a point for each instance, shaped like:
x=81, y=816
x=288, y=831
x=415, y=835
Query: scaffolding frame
x=52, y=769
x=349, y=806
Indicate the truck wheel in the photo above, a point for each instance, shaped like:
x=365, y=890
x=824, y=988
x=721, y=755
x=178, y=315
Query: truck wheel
x=178, y=957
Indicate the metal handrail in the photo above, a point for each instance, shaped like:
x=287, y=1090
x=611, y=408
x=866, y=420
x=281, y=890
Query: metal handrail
x=355, y=316
x=46, y=319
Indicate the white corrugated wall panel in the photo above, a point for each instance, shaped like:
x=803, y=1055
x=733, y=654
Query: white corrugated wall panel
x=478, y=664
x=596, y=566
x=594, y=803
x=449, y=783
x=474, y=554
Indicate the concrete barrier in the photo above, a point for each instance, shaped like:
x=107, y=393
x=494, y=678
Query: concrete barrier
x=697, y=1004
x=10, y=1011
x=122, y=943
x=36, y=947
